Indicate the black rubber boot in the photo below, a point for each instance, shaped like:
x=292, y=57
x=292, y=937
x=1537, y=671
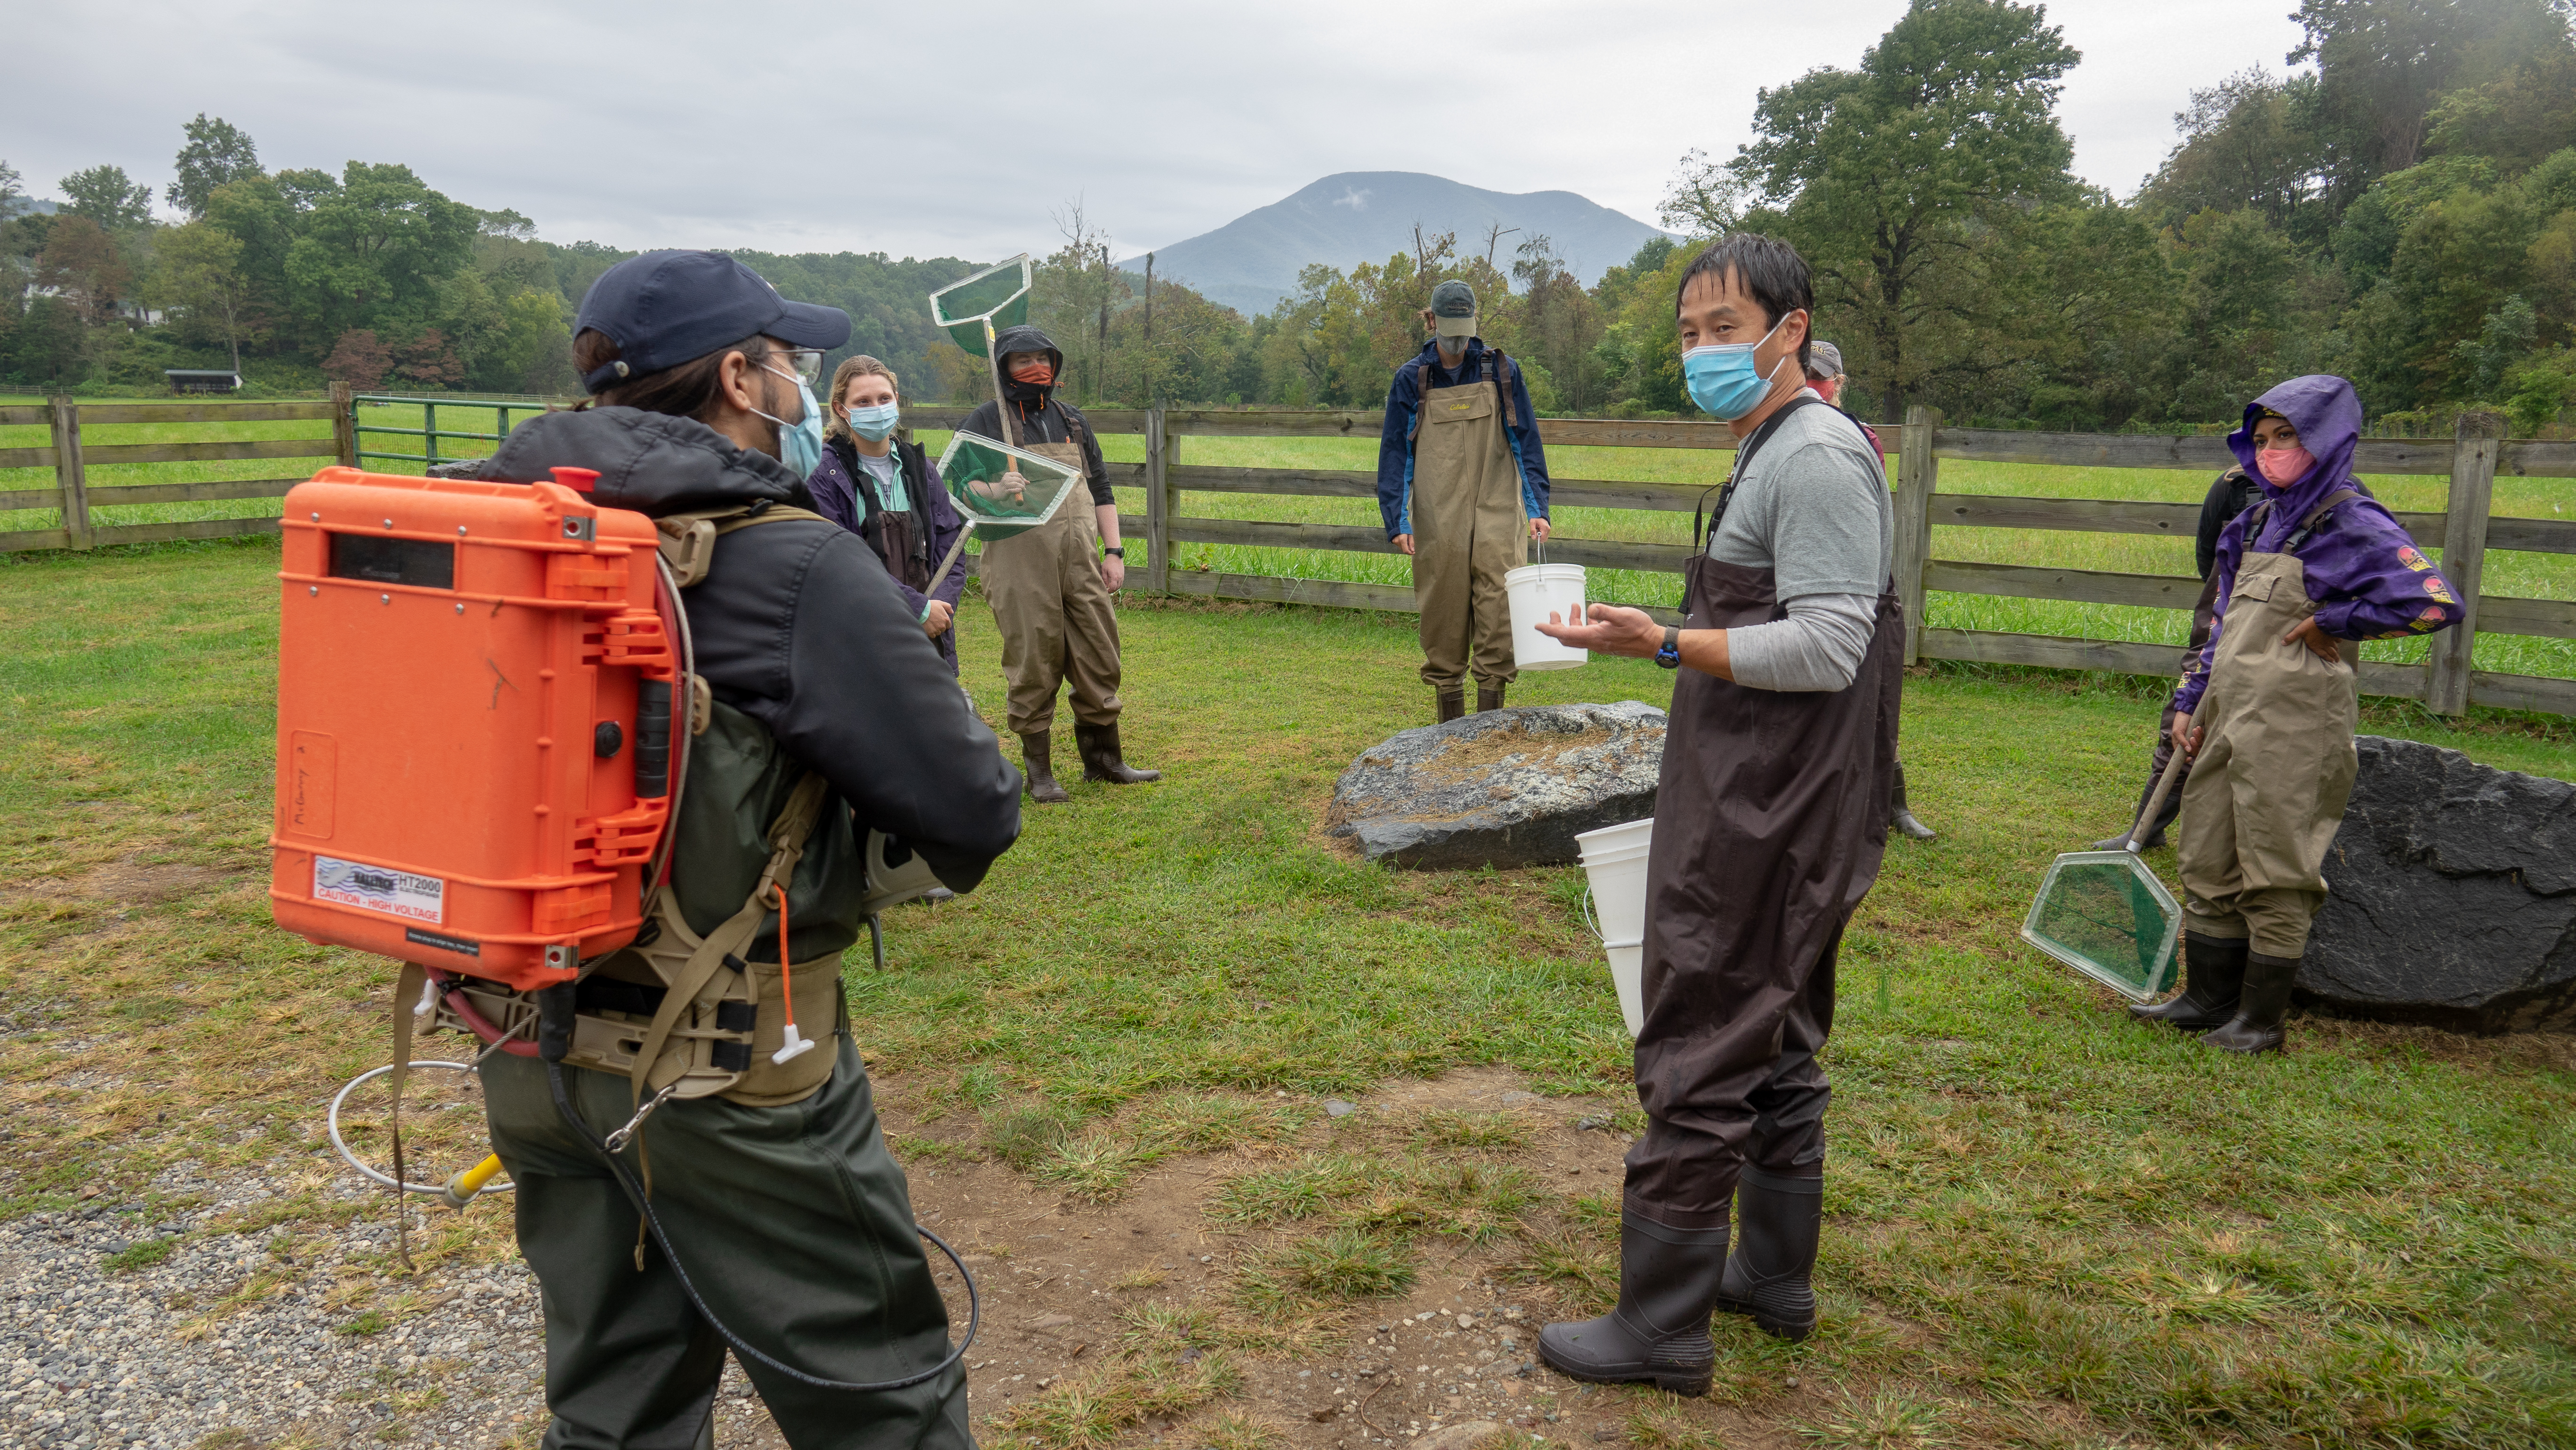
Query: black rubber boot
x=1898, y=816
x=1451, y=702
x=2155, y=835
x=1770, y=1275
x=1102, y=759
x=2266, y=1000
x=1488, y=697
x=1039, y=751
x=2213, y=974
x=1659, y=1332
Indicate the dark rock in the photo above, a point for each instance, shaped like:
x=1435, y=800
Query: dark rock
x=2451, y=896
x=1504, y=788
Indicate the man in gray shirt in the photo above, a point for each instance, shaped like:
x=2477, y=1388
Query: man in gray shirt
x=1770, y=819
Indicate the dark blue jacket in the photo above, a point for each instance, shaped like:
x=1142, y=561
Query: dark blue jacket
x=1404, y=401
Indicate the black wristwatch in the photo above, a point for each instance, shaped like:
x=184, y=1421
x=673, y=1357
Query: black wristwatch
x=1670, y=656
x=1120, y=551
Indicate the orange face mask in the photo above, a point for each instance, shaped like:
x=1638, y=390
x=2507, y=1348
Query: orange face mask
x=1035, y=371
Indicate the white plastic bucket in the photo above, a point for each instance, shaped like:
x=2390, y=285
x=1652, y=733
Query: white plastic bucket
x=1614, y=857
x=1536, y=591
x=1628, y=978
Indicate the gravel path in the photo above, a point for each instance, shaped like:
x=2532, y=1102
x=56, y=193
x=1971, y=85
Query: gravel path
x=91, y=1355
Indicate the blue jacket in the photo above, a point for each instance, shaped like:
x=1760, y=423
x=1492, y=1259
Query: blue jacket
x=1404, y=402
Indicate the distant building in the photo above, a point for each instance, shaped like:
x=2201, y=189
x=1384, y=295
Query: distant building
x=202, y=380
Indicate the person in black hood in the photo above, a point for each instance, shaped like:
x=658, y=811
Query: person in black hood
x=1050, y=588
x=823, y=700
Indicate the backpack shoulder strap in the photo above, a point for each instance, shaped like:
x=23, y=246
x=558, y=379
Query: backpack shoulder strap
x=1421, y=388
x=2317, y=516
x=688, y=541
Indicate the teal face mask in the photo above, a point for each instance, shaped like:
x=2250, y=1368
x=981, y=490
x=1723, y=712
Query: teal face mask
x=875, y=423
x=1721, y=378
x=800, y=444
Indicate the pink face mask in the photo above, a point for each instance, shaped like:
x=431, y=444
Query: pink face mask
x=2285, y=466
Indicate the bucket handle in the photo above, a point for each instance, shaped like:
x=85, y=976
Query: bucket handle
x=1591, y=922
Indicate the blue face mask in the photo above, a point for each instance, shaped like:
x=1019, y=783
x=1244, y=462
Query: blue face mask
x=1721, y=378
x=875, y=423
x=800, y=444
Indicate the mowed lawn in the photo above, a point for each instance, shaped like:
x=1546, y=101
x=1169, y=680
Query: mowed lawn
x=2048, y=1227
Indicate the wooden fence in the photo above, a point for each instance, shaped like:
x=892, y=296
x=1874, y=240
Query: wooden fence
x=2464, y=532
x=75, y=496
x=2448, y=684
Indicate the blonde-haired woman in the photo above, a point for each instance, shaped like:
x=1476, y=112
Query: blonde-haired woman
x=888, y=493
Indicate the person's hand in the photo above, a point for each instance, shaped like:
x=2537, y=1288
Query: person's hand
x=2319, y=643
x=1608, y=629
x=1539, y=530
x=1404, y=542
x=935, y=623
x=1113, y=572
x=2186, y=737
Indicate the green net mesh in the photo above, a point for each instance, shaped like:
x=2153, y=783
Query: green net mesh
x=975, y=471
x=998, y=295
x=2106, y=915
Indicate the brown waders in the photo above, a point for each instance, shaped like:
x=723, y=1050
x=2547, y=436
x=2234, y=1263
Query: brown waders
x=1058, y=623
x=1770, y=822
x=1470, y=527
x=2267, y=791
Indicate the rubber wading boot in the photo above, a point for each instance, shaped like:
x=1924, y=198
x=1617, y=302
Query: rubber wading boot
x=1770, y=1275
x=1039, y=751
x=1488, y=697
x=2213, y=973
x=1101, y=756
x=1450, y=701
x=2266, y=1000
x=1659, y=1331
x=2155, y=835
x=1898, y=816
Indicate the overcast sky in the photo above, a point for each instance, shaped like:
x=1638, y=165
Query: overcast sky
x=930, y=130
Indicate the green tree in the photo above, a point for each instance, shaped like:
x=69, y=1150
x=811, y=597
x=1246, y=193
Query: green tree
x=2383, y=64
x=105, y=195
x=372, y=246
x=1879, y=174
x=2244, y=144
x=13, y=191
x=82, y=265
x=216, y=152
x=201, y=274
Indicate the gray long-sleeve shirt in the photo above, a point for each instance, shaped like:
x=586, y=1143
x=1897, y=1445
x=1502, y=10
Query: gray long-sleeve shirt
x=1813, y=509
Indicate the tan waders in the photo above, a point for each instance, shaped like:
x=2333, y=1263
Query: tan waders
x=1470, y=527
x=1054, y=610
x=2267, y=790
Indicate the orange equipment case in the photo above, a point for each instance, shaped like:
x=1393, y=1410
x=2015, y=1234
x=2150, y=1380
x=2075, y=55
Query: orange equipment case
x=474, y=691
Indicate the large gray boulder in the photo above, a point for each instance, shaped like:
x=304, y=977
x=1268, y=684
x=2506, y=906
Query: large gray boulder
x=2451, y=896
x=1502, y=788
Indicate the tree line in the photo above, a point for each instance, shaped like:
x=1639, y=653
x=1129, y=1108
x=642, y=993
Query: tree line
x=2400, y=207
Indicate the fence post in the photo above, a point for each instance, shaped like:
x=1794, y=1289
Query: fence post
x=1916, y=473
x=1158, y=511
x=2464, y=557
x=69, y=476
x=344, y=423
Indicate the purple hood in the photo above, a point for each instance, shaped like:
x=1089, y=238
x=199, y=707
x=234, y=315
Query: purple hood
x=2328, y=416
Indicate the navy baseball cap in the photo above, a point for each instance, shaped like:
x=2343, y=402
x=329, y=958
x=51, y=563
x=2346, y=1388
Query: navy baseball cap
x=666, y=308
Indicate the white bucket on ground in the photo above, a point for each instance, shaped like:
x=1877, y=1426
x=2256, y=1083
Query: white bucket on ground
x=1628, y=976
x=1614, y=857
x=1536, y=591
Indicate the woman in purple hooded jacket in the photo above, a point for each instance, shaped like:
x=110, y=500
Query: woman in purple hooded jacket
x=2266, y=709
x=888, y=493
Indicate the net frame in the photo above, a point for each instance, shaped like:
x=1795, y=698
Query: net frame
x=1034, y=467
x=2136, y=988
x=973, y=331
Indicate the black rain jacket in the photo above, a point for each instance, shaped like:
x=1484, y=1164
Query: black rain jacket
x=798, y=625
x=1039, y=415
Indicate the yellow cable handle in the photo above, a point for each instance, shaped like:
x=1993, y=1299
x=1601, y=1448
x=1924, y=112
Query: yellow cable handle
x=460, y=1190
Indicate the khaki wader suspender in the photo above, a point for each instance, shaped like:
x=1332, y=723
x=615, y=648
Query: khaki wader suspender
x=1492, y=372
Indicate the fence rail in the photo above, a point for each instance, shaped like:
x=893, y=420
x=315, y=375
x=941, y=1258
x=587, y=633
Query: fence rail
x=74, y=496
x=2464, y=530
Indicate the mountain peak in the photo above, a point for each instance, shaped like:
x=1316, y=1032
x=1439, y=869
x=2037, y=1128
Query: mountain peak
x=1351, y=217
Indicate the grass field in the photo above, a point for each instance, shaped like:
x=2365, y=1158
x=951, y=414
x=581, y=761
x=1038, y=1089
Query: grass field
x=2048, y=1227
x=2524, y=575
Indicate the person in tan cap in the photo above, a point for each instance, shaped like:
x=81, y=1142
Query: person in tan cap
x=1462, y=485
